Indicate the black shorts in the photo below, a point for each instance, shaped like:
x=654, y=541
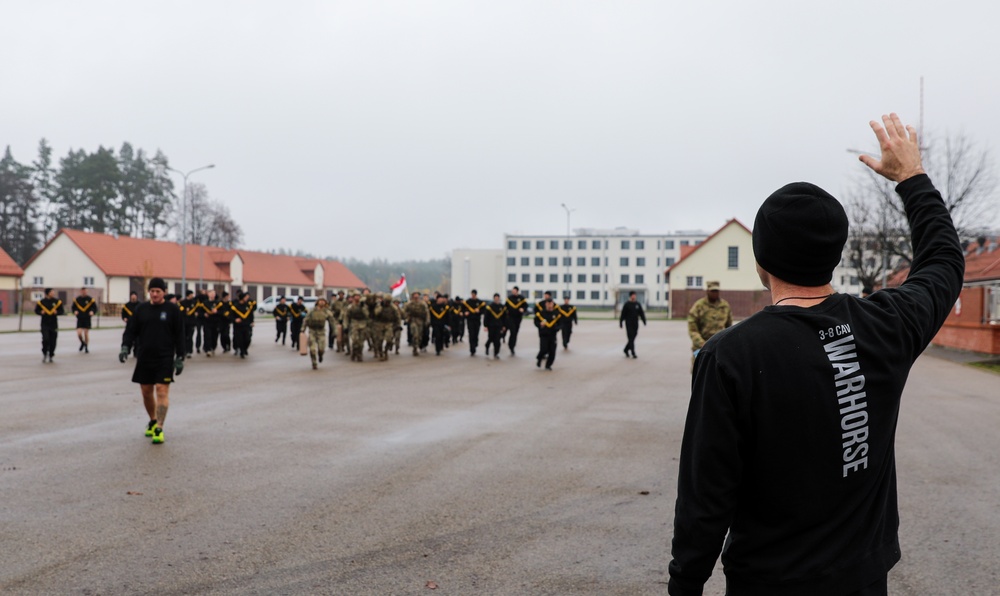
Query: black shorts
x=153, y=372
x=83, y=323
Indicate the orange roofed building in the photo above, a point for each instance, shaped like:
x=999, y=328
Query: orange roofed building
x=111, y=267
x=10, y=282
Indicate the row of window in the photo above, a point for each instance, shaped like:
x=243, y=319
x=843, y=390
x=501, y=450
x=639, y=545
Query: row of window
x=581, y=278
x=594, y=244
x=582, y=261
x=38, y=280
x=580, y=294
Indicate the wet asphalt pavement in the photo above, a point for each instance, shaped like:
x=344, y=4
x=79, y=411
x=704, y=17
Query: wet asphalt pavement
x=429, y=475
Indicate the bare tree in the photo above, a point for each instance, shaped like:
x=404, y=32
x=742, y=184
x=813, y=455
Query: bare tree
x=209, y=222
x=879, y=241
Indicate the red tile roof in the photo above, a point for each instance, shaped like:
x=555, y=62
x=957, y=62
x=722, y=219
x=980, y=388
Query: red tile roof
x=125, y=256
x=984, y=266
x=8, y=266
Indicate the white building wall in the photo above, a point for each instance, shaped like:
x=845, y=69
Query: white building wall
x=62, y=265
x=711, y=263
x=477, y=269
x=118, y=290
x=602, y=267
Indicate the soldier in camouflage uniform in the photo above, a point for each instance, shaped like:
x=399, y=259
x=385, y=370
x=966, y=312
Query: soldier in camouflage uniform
x=358, y=317
x=316, y=322
x=418, y=317
x=385, y=321
x=336, y=325
x=397, y=330
x=708, y=316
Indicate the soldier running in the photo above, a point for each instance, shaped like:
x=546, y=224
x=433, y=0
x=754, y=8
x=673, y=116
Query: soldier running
x=50, y=309
x=84, y=307
x=495, y=320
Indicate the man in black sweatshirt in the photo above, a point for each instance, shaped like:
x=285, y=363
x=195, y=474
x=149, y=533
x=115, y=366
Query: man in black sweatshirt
x=788, y=444
x=158, y=326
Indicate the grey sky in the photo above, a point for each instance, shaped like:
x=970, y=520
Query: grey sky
x=405, y=129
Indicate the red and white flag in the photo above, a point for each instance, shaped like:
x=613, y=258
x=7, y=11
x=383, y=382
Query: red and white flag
x=399, y=287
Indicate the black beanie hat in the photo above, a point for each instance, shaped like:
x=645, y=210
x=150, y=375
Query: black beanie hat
x=157, y=282
x=799, y=234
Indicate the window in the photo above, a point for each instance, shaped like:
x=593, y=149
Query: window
x=854, y=280
x=540, y=278
x=595, y=261
x=581, y=295
x=657, y=278
x=640, y=278
x=38, y=281
x=595, y=278
x=540, y=244
x=525, y=278
x=581, y=278
x=625, y=244
x=538, y=294
x=567, y=277
x=539, y=261
x=567, y=244
x=640, y=261
x=553, y=261
x=668, y=244
x=685, y=243
x=581, y=261
x=511, y=277
x=88, y=282
x=526, y=244
x=623, y=262
x=595, y=244
x=554, y=244
x=511, y=261
x=567, y=261
x=669, y=261
x=625, y=278
x=640, y=245
x=512, y=245
x=595, y=295
x=734, y=257
x=553, y=278
x=581, y=244
x=694, y=281
x=525, y=261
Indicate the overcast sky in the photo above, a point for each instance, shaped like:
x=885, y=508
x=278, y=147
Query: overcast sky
x=406, y=129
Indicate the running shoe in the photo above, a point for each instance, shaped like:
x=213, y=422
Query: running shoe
x=158, y=437
x=150, y=427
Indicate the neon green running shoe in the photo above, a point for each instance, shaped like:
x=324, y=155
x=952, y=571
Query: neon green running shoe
x=158, y=437
x=150, y=427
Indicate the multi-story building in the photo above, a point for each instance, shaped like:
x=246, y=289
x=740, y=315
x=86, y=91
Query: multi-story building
x=595, y=267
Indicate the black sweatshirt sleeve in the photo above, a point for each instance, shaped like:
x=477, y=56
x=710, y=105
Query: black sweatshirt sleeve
x=924, y=300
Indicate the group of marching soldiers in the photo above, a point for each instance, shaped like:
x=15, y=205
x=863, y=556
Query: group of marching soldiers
x=348, y=323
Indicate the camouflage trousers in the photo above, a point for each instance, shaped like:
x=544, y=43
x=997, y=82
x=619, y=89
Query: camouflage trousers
x=359, y=334
x=317, y=342
x=416, y=335
x=382, y=339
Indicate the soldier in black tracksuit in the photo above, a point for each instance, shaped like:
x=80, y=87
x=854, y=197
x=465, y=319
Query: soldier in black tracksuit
x=439, y=322
x=213, y=322
x=298, y=313
x=548, y=320
x=189, y=308
x=631, y=313
x=201, y=319
x=495, y=320
x=128, y=309
x=241, y=314
x=281, y=314
x=568, y=312
x=225, y=338
x=50, y=309
x=516, y=307
x=472, y=313
x=457, y=320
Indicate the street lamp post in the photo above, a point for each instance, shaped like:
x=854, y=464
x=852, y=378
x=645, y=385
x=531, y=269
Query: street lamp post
x=568, y=245
x=184, y=221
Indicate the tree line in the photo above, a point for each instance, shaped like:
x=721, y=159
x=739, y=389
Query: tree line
x=127, y=192
x=879, y=241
